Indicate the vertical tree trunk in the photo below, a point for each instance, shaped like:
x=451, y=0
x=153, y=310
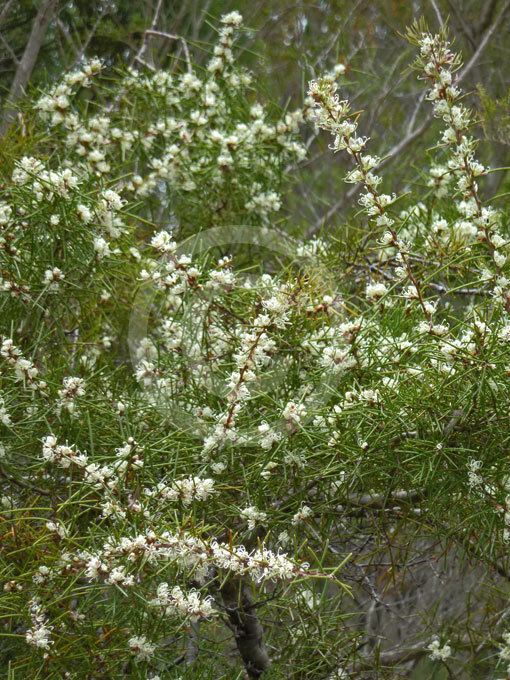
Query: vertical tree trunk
x=27, y=63
x=248, y=630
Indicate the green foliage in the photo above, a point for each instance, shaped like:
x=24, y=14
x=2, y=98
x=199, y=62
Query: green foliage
x=210, y=428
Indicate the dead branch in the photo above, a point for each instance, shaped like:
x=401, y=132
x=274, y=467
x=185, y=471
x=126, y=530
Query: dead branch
x=171, y=36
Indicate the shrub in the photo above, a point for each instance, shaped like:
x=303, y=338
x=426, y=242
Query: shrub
x=191, y=450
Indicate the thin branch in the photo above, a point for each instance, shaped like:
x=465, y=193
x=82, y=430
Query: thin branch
x=484, y=41
x=65, y=32
x=143, y=47
x=464, y=27
x=440, y=20
x=139, y=56
x=91, y=34
x=9, y=49
x=412, y=120
x=379, y=500
x=192, y=647
x=486, y=18
x=23, y=485
x=145, y=64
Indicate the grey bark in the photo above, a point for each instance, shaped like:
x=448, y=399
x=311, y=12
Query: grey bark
x=248, y=631
x=27, y=62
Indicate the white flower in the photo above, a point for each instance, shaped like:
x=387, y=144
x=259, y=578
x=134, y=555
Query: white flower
x=84, y=213
x=438, y=653
x=375, y=291
x=303, y=513
x=162, y=241
x=73, y=387
x=186, y=490
x=39, y=635
x=268, y=436
x=294, y=412
x=189, y=605
x=52, y=278
x=101, y=247
x=112, y=200
x=118, y=576
x=499, y=258
x=264, y=203
x=253, y=516
x=141, y=647
x=232, y=19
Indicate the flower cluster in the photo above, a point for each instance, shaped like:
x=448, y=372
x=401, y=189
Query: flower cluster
x=438, y=652
x=39, y=635
x=188, y=605
x=184, y=490
x=192, y=132
x=476, y=221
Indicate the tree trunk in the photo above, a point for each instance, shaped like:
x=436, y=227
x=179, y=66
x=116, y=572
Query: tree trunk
x=27, y=63
x=248, y=631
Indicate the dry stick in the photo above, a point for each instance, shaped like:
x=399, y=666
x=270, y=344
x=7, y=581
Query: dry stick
x=27, y=62
x=138, y=56
x=171, y=36
x=412, y=136
x=155, y=19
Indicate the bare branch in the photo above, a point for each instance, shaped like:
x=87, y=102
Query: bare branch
x=379, y=500
x=143, y=47
x=464, y=27
x=484, y=41
x=23, y=485
x=9, y=49
x=487, y=14
x=437, y=11
x=171, y=36
x=192, y=647
x=67, y=36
